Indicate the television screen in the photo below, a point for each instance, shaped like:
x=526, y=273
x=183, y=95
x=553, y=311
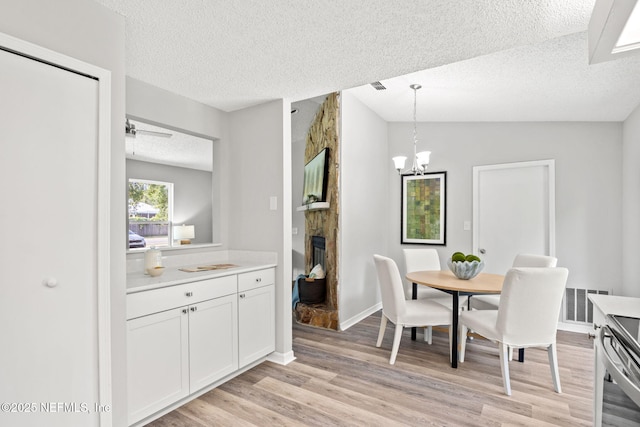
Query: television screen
x=315, y=178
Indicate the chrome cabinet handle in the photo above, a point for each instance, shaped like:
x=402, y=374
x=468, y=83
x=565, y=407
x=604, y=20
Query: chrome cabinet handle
x=189, y=294
x=242, y=295
x=184, y=311
x=482, y=251
x=193, y=309
x=259, y=279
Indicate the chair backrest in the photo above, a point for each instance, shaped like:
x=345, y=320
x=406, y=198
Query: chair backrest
x=421, y=259
x=418, y=260
x=529, y=260
x=530, y=305
x=393, y=303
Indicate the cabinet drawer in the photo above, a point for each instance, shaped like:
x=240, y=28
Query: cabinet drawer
x=147, y=302
x=256, y=279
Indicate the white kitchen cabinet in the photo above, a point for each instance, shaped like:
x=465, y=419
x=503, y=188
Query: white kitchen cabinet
x=157, y=361
x=184, y=338
x=213, y=341
x=256, y=315
x=175, y=349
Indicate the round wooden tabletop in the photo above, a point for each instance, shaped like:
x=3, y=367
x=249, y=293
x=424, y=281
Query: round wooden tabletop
x=483, y=283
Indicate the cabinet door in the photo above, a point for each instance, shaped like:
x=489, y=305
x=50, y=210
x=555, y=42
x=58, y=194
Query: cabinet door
x=157, y=361
x=256, y=320
x=213, y=340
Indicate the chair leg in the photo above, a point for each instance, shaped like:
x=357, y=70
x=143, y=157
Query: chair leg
x=503, y=349
x=428, y=334
x=462, y=341
x=553, y=363
x=383, y=325
x=396, y=344
x=510, y=353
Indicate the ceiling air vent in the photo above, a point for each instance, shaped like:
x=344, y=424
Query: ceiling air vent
x=378, y=86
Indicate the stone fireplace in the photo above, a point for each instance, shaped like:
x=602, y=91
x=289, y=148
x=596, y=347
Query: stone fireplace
x=321, y=226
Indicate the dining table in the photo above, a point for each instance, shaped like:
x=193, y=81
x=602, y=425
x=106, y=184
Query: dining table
x=483, y=283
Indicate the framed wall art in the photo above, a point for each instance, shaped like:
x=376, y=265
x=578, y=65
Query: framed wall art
x=423, y=218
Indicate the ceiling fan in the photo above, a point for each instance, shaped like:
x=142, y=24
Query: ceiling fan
x=131, y=131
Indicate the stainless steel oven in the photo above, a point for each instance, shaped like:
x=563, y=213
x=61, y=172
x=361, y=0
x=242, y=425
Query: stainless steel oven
x=618, y=372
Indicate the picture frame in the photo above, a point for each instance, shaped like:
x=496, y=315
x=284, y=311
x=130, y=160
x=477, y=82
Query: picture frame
x=423, y=204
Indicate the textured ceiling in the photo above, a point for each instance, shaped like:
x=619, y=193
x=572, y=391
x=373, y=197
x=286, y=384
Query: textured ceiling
x=547, y=81
x=508, y=60
x=232, y=54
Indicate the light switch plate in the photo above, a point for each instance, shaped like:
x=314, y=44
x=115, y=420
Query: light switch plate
x=273, y=203
x=466, y=226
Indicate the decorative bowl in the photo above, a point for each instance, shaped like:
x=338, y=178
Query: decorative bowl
x=465, y=270
x=156, y=271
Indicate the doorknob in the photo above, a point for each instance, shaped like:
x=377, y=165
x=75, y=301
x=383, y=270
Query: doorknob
x=482, y=251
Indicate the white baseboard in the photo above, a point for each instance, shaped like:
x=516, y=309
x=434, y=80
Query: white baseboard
x=575, y=327
x=281, y=358
x=358, y=317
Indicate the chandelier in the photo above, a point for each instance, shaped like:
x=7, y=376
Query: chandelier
x=421, y=159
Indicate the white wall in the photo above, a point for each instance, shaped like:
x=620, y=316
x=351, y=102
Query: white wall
x=364, y=208
x=588, y=186
x=191, y=194
x=260, y=161
x=631, y=203
x=93, y=34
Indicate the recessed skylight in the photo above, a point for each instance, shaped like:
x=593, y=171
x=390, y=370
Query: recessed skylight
x=630, y=37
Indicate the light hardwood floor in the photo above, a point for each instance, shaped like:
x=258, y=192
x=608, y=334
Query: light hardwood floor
x=341, y=378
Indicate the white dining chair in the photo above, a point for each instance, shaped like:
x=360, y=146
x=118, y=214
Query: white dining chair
x=491, y=302
x=526, y=317
x=427, y=259
x=400, y=311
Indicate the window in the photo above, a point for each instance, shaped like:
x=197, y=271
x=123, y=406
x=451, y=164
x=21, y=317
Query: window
x=150, y=213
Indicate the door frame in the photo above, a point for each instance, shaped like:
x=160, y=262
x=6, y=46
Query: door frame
x=103, y=231
x=551, y=191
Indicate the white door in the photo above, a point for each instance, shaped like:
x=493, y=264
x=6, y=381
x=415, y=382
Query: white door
x=48, y=250
x=513, y=212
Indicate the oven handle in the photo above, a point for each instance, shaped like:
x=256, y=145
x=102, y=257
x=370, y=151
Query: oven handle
x=613, y=364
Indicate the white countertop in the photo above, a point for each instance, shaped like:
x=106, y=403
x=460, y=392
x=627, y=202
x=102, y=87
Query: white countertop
x=138, y=281
x=614, y=304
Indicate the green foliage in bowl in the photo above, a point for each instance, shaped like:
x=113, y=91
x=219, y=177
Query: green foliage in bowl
x=465, y=267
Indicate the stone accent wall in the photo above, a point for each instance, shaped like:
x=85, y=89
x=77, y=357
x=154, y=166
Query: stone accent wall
x=324, y=133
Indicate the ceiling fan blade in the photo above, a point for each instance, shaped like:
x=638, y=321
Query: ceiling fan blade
x=154, y=133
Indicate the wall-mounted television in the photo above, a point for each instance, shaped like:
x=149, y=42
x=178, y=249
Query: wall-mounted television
x=316, y=175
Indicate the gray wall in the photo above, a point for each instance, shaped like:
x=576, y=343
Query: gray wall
x=364, y=207
x=192, y=193
x=631, y=204
x=93, y=34
x=588, y=186
x=260, y=158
